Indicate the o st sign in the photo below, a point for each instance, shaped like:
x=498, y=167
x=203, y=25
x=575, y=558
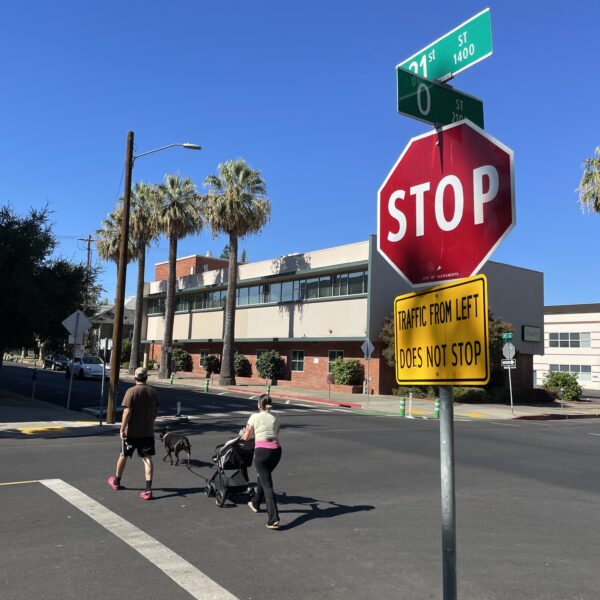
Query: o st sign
x=446, y=204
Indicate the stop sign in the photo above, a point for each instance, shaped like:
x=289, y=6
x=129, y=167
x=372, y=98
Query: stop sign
x=446, y=205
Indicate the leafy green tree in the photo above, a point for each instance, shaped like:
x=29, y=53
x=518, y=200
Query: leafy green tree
x=225, y=253
x=566, y=385
x=244, y=256
x=39, y=293
x=236, y=205
x=63, y=288
x=347, y=371
x=270, y=365
x=178, y=212
x=589, y=186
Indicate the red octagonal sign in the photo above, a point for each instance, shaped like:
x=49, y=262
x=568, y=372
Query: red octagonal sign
x=446, y=205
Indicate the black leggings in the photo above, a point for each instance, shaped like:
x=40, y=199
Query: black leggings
x=265, y=461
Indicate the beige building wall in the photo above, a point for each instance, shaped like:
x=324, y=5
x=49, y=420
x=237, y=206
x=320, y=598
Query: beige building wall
x=569, y=356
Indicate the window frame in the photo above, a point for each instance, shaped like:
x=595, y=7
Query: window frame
x=296, y=361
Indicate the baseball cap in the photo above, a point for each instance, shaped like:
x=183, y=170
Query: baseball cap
x=141, y=373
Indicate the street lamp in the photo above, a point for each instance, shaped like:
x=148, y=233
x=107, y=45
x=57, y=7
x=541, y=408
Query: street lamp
x=122, y=270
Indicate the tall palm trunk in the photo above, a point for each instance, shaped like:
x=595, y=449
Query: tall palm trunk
x=165, y=355
x=227, y=376
x=134, y=359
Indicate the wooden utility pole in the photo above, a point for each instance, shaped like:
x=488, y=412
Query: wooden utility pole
x=115, y=357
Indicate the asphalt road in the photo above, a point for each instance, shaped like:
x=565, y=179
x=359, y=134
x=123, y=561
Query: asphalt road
x=360, y=507
x=53, y=386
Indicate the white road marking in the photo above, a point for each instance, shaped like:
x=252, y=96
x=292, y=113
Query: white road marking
x=222, y=394
x=184, y=574
x=245, y=412
x=593, y=433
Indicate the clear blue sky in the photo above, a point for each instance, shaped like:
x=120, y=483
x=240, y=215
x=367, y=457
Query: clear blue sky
x=305, y=92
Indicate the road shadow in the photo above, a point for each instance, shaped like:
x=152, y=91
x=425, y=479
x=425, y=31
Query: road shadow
x=313, y=510
x=161, y=493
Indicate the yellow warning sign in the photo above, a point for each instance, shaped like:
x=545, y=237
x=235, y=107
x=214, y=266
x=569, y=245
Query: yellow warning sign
x=442, y=334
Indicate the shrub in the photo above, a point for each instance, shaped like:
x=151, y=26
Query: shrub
x=125, y=352
x=125, y=365
x=182, y=360
x=470, y=394
x=347, y=371
x=211, y=363
x=241, y=365
x=566, y=385
x=270, y=365
x=418, y=391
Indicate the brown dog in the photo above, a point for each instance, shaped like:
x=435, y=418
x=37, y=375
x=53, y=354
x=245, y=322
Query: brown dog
x=174, y=444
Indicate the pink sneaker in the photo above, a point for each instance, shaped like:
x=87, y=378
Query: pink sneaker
x=146, y=495
x=112, y=482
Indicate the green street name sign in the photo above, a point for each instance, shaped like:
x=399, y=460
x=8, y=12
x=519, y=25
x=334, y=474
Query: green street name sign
x=460, y=48
x=434, y=102
x=507, y=336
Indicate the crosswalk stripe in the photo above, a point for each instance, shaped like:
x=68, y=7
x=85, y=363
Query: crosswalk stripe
x=184, y=574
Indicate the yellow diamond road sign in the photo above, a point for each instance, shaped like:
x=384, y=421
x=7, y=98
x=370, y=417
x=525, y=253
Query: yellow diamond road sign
x=442, y=334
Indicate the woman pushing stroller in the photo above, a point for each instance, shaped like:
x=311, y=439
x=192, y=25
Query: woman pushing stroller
x=263, y=427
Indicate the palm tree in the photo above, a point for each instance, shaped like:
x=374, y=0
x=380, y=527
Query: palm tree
x=589, y=186
x=236, y=204
x=108, y=242
x=143, y=230
x=178, y=214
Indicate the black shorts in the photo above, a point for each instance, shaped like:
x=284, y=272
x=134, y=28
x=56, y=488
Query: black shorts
x=144, y=446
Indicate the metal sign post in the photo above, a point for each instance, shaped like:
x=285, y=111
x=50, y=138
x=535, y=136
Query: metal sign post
x=104, y=349
x=367, y=348
x=508, y=350
x=448, y=492
x=75, y=338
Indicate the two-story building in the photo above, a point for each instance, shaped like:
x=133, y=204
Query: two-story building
x=571, y=344
x=313, y=307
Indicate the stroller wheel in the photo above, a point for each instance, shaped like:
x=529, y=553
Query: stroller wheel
x=209, y=490
x=219, y=498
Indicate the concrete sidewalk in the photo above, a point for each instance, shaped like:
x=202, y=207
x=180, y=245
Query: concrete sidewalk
x=25, y=416
x=390, y=405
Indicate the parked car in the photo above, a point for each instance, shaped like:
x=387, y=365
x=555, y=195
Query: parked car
x=88, y=366
x=56, y=362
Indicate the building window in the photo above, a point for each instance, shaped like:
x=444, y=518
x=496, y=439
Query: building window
x=297, y=361
x=325, y=286
x=355, y=283
x=156, y=306
x=583, y=372
x=569, y=340
x=333, y=354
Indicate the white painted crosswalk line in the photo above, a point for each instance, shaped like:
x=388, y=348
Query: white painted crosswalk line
x=184, y=574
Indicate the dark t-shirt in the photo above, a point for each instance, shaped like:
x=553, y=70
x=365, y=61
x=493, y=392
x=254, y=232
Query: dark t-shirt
x=142, y=401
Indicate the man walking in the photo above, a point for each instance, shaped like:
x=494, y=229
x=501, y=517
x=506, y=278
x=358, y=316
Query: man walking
x=137, y=430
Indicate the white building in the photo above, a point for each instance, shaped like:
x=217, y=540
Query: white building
x=571, y=344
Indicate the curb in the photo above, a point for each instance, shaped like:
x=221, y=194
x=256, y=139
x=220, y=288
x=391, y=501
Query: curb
x=303, y=398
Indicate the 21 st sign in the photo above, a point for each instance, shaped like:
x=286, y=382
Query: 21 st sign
x=459, y=49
